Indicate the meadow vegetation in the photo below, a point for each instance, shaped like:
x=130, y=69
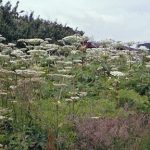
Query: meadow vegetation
x=74, y=99
x=57, y=94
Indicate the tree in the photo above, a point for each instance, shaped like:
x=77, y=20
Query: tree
x=14, y=26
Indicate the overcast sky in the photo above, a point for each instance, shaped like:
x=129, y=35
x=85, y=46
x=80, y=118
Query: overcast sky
x=117, y=19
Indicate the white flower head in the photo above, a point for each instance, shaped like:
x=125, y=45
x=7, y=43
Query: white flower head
x=117, y=73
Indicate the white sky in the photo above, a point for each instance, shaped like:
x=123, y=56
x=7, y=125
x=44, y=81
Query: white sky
x=117, y=19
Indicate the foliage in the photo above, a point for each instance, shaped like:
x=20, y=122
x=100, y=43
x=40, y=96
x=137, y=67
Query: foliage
x=133, y=100
x=14, y=25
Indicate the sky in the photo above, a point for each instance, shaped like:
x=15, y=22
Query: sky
x=123, y=20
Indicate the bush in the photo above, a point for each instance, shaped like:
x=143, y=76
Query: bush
x=133, y=100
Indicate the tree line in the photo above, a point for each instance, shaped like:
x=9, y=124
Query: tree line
x=13, y=25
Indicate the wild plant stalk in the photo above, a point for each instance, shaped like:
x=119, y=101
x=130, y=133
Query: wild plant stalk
x=14, y=108
x=57, y=112
x=130, y=59
x=51, y=141
x=57, y=123
x=61, y=89
x=73, y=101
x=2, y=98
x=7, y=89
x=117, y=92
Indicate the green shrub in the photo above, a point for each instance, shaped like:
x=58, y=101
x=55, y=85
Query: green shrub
x=133, y=100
